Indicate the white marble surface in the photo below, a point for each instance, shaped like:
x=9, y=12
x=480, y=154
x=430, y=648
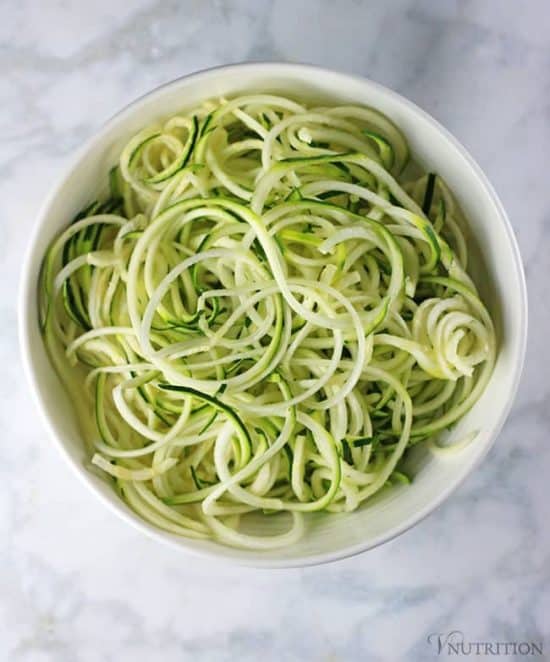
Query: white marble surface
x=78, y=586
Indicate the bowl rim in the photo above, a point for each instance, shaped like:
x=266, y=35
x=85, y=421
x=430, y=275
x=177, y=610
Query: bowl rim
x=27, y=298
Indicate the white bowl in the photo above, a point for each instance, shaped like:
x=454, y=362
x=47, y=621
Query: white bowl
x=499, y=276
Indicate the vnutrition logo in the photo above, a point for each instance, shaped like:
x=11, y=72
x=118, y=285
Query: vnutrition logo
x=455, y=643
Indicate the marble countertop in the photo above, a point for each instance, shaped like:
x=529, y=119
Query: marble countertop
x=87, y=588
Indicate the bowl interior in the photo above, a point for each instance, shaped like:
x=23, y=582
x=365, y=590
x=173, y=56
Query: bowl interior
x=496, y=267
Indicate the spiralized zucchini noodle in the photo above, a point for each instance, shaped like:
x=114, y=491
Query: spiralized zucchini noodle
x=266, y=311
